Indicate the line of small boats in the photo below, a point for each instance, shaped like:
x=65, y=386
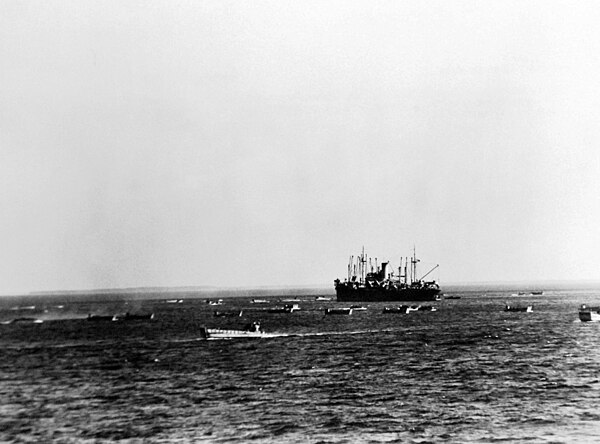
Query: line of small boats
x=90, y=317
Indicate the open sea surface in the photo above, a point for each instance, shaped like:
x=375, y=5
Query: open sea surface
x=467, y=373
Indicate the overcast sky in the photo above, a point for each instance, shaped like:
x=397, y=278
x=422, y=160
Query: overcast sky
x=239, y=143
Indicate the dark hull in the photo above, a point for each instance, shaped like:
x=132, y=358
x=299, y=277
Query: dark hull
x=346, y=294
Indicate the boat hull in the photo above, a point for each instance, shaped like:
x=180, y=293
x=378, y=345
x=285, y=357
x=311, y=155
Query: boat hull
x=527, y=309
x=362, y=294
x=217, y=333
x=338, y=311
x=589, y=316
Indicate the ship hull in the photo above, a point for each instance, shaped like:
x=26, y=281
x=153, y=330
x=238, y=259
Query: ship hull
x=347, y=294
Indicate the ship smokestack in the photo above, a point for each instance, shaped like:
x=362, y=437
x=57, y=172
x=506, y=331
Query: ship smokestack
x=384, y=266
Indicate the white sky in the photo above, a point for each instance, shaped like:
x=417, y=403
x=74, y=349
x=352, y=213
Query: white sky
x=262, y=143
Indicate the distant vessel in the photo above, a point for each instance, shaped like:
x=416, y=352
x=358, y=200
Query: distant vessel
x=589, y=314
x=228, y=314
x=134, y=317
x=338, y=311
x=24, y=320
x=402, y=309
x=407, y=309
x=525, y=309
x=289, y=308
x=322, y=298
x=98, y=318
x=371, y=283
x=251, y=331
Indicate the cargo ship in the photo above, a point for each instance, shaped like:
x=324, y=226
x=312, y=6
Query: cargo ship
x=369, y=281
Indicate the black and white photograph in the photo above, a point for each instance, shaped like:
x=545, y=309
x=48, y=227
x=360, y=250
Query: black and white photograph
x=320, y=222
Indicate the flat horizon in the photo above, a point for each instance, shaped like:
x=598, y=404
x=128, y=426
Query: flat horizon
x=533, y=284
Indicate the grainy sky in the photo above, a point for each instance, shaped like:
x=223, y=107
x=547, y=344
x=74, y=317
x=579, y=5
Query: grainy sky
x=264, y=142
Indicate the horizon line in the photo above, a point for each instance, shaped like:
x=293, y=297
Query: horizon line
x=181, y=288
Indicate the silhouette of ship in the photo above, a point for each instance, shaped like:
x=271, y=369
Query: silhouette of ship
x=370, y=282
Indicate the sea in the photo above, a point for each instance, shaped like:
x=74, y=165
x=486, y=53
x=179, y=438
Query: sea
x=469, y=372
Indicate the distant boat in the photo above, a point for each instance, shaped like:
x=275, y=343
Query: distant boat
x=402, y=309
x=24, y=320
x=250, y=331
x=259, y=301
x=451, y=297
x=174, y=301
x=537, y=292
x=322, y=298
x=358, y=308
x=218, y=302
x=338, y=311
x=228, y=314
x=97, y=318
x=426, y=308
x=589, y=314
x=524, y=309
x=134, y=317
x=288, y=308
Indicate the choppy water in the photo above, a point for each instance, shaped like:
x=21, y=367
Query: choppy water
x=469, y=372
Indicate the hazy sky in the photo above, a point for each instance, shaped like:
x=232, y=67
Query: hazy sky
x=264, y=142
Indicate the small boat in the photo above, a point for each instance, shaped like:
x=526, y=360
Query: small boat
x=24, y=320
x=98, y=318
x=252, y=330
x=134, y=317
x=589, y=314
x=452, y=297
x=358, y=307
x=427, y=308
x=322, y=298
x=218, y=302
x=288, y=308
x=403, y=309
x=228, y=314
x=522, y=309
x=338, y=311
x=535, y=293
x=174, y=301
x=259, y=301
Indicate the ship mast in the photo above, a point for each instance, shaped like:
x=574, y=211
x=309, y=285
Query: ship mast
x=350, y=267
x=414, y=261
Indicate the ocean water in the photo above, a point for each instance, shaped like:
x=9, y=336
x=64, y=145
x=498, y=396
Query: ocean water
x=466, y=373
